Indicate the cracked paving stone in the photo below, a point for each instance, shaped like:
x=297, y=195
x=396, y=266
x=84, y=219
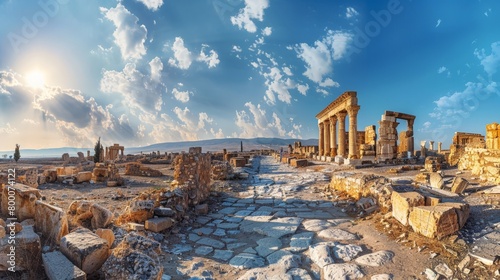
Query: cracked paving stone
x=194, y=237
x=279, y=227
x=320, y=255
x=233, y=246
x=204, y=250
x=336, y=234
x=223, y=254
x=203, y=219
x=375, y=259
x=342, y=271
x=233, y=219
x=228, y=225
x=300, y=242
x=243, y=213
x=284, y=258
x=267, y=246
x=299, y=274
x=227, y=210
x=346, y=252
x=219, y=232
x=247, y=261
x=316, y=225
x=204, y=230
x=314, y=215
x=211, y=242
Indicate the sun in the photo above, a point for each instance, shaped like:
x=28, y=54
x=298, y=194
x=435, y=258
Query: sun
x=35, y=79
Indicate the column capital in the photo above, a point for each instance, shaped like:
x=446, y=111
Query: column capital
x=341, y=115
x=353, y=109
x=333, y=118
x=321, y=124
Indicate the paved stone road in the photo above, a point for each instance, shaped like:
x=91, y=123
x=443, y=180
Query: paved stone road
x=270, y=232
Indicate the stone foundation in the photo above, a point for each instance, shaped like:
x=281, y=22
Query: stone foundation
x=136, y=169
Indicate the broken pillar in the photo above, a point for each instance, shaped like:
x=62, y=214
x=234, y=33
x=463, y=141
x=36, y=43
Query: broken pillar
x=51, y=221
x=434, y=221
x=24, y=198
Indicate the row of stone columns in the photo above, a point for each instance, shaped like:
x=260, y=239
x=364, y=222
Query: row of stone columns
x=328, y=134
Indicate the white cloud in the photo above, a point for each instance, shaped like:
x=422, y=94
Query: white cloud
x=182, y=56
x=490, y=62
x=212, y=60
x=442, y=69
x=351, y=12
x=138, y=90
x=438, y=22
x=156, y=67
x=129, y=35
x=277, y=85
x=287, y=71
x=460, y=104
x=237, y=48
x=303, y=89
x=256, y=124
x=182, y=96
x=426, y=125
x=329, y=83
x=253, y=10
x=267, y=31
x=319, y=58
x=153, y=5
x=322, y=91
x=217, y=134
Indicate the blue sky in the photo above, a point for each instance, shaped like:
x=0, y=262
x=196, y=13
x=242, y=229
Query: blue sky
x=138, y=72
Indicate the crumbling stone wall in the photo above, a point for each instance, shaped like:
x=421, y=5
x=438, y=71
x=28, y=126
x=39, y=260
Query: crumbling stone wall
x=137, y=169
x=221, y=170
x=460, y=141
x=363, y=185
x=482, y=162
x=192, y=175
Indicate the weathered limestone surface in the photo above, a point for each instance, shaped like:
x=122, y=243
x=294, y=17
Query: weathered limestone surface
x=403, y=203
x=85, y=249
x=459, y=185
x=482, y=162
x=158, y=224
x=493, y=136
x=298, y=162
x=28, y=250
x=434, y=221
x=24, y=197
x=192, y=174
x=58, y=267
x=84, y=176
x=51, y=221
x=363, y=185
x=101, y=217
x=238, y=161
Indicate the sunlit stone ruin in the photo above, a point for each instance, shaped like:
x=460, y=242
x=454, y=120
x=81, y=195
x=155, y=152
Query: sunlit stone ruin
x=361, y=204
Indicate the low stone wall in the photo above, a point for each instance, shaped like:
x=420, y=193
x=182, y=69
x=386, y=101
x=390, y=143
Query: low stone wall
x=192, y=175
x=137, y=169
x=221, y=170
x=482, y=162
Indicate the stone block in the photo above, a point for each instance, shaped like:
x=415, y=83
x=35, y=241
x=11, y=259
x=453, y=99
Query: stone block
x=51, y=221
x=201, y=209
x=298, y=162
x=24, y=198
x=101, y=217
x=195, y=150
x=58, y=267
x=164, y=212
x=107, y=235
x=158, y=224
x=239, y=161
x=85, y=249
x=462, y=210
x=28, y=250
x=135, y=226
x=403, y=203
x=459, y=185
x=434, y=221
x=139, y=211
x=81, y=177
x=432, y=201
x=436, y=180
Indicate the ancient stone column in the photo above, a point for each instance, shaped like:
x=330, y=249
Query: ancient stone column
x=320, y=140
x=341, y=147
x=440, y=144
x=106, y=156
x=422, y=149
x=431, y=145
x=88, y=153
x=326, y=142
x=353, y=131
x=333, y=136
